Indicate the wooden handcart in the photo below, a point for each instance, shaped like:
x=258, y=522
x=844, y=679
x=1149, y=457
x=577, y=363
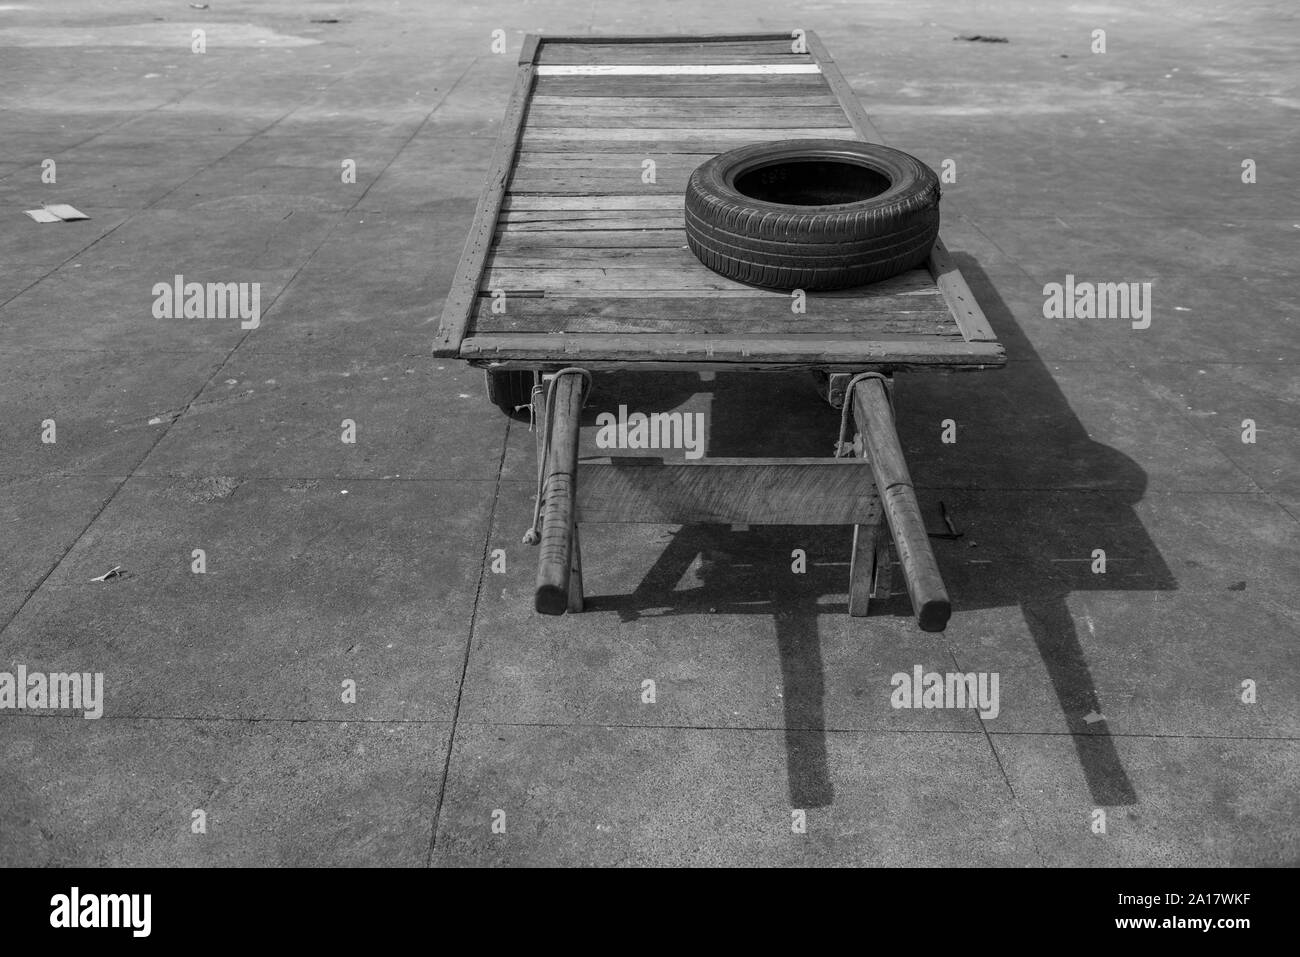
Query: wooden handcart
x=577, y=262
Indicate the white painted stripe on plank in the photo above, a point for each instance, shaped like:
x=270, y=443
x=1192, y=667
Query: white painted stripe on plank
x=676, y=69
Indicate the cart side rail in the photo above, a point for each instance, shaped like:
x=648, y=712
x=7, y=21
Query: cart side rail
x=459, y=303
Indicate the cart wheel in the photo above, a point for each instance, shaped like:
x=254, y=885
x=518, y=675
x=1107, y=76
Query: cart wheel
x=508, y=389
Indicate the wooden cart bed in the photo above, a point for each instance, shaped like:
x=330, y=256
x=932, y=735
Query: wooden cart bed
x=585, y=255
x=577, y=262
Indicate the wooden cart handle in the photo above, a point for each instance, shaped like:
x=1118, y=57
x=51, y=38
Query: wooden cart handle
x=875, y=420
x=554, y=562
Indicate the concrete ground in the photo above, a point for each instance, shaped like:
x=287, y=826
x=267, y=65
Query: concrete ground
x=329, y=563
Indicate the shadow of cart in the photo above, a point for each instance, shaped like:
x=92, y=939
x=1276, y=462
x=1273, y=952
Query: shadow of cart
x=724, y=559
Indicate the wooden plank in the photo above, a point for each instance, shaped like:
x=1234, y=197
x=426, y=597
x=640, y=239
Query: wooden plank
x=616, y=134
x=647, y=147
x=900, y=327
x=667, y=55
x=667, y=259
x=681, y=69
x=605, y=219
x=584, y=283
x=624, y=179
x=526, y=264
x=600, y=52
x=914, y=285
x=965, y=307
x=885, y=318
x=531, y=267
x=680, y=106
x=549, y=225
x=726, y=491
x=813, y=350
x=716, y=118
x=601, y=163
x=464, y=286
x=706, y=143
x=625, y=201
x=606, y=165
x=591, y=239
x=672, y=223
x=521, y=252
x=875, y=421
x=763, y=118
x=568, y=278
x=830, y=364
x=541, y=183
x=683, y=87
x=678, y=272
x=770, y=42
x=671, y=266
x=601, y=182
x=639, y=38
x=532, y=184
x=634, y=104
x=631, y=217
x=579, y=291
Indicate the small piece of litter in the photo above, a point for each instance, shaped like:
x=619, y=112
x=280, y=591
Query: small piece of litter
x=66, y=212
x=344, y=492
x=947, y=520
x=980, y=38
x=155, y=421
x=114, y=572
x=198, y=6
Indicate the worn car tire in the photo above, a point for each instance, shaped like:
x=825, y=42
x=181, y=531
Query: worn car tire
x=508, y=389
x=812, y=214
